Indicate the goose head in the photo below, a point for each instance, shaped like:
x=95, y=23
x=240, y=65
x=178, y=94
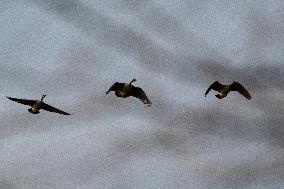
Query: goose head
x=43, y=96
x=133, y=80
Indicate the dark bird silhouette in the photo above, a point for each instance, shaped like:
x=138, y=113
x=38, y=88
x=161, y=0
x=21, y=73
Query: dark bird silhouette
x=36, y=105
x=225, y=89
x=127, y=89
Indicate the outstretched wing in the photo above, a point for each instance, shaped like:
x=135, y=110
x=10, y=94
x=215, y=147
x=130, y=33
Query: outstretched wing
x=139, y=93
x=22, y=101
x=53, y=109
x=215, y=86
x=238, y=87
x=116, y=86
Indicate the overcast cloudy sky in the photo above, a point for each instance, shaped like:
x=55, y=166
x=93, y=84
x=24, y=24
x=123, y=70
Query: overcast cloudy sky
x=73, y=50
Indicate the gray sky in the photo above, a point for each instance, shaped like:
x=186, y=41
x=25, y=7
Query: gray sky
x=73, y=50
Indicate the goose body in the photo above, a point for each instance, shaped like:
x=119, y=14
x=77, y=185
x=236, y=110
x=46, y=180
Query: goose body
x=36, y=105
x=224, y=92
x=225, y=89
x=125, y=90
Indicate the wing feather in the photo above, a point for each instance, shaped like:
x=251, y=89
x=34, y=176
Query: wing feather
x=236, y=86
x=53, y=109
x=215, y=86
x=23, y=101
x=139, y=93
x=116, y=86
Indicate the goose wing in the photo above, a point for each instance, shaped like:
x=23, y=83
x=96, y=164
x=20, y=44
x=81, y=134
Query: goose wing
x=53, y=109
x=139, y=93
x=116, y=86
x=22, y=101
x=238, y=87
x=215, y=86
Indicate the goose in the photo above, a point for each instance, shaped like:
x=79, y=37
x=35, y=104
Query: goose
x=36, y=105
x=225, y=89
x=125, y=90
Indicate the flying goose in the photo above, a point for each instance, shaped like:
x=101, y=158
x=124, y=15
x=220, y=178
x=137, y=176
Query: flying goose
x=127, y=89
x=37, y=105
x=225, y=89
